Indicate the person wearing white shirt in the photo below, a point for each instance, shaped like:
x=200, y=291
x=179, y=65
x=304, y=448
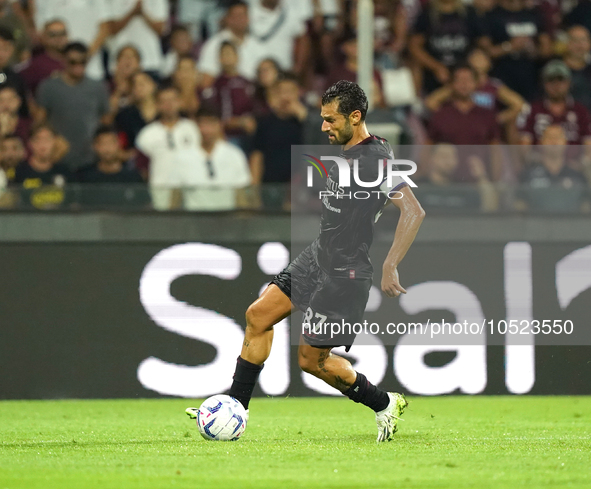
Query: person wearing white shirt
x=140, y=23
x=278, y=26
x=173, y=145
x=236, y=31
x=87, y=21
x=227, y=166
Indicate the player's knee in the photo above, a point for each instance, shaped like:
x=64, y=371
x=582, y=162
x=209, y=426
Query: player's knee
x=255, y=319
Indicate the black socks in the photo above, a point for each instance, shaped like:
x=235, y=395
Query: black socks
x=366, y=393
x=245, y=378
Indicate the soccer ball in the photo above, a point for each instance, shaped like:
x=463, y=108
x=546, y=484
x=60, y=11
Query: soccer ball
x=221, y=418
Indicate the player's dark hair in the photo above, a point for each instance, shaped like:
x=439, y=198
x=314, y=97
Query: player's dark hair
x=76, y=47
x=105, y=129
x=349, y=96
x=6, y=34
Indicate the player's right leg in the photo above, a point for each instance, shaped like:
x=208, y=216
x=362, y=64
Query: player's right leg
x=270, y=308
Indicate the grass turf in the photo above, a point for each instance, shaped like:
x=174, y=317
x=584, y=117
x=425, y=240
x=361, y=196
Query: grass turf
x=444, y=442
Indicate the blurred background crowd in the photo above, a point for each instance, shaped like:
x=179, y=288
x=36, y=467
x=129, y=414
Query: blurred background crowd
x=194, y=104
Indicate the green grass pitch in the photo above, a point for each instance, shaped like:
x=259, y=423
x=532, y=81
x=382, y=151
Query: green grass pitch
x=444, y=442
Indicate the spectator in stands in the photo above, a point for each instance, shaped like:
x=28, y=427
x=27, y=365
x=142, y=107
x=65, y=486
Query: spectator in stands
x=12, y=21
x=227, y=166
x=557, y=107
x=460, y=121
x=482, y=9
x=200, y=16
x=270, y=161
x=441, y=38
x=143, y=110
x=578, y=58
x=233, y=96
x=87, y=22
x=108, y=181
x=490, y=93
x=324, y=26
x=140, y=23
x=181, y=45
x=42, y=65
x=128, y=64
x=390, y=30
x=41, y=170
x=12, y=153
x=517, y=40
x=172, y=145
x=347, y=70
x=74, y=104
x=10, y=120
x=187, y=79
x=549, y=184
x=236, y=23
x=580, y=15
x=439, y=189
x=279, y=29
x=8, y=77
x=268, y=72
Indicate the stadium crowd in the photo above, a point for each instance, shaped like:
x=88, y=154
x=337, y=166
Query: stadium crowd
x=194, y=104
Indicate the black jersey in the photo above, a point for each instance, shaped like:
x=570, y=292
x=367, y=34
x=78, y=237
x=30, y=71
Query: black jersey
x=349, y=213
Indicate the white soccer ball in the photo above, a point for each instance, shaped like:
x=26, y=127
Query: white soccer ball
x=221, y=418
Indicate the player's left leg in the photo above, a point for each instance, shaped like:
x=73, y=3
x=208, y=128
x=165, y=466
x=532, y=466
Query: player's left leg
x=339, y=373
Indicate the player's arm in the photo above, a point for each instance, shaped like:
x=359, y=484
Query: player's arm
x=411, y=217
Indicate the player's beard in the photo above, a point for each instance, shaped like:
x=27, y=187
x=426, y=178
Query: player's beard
x=345, y=136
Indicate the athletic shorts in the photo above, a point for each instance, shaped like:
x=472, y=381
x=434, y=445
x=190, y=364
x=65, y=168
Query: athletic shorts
x=323, y=300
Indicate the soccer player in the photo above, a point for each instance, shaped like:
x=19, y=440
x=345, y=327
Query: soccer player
x=330, y=280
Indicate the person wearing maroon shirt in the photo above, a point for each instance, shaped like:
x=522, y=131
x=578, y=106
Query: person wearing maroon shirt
x=41, y=66
x=491, y=93
x=233, y=97
x=557, y=108
x=461, y=122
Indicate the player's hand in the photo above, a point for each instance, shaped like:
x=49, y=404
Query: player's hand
x=391, y=281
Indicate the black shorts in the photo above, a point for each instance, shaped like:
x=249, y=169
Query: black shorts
x=323, y=299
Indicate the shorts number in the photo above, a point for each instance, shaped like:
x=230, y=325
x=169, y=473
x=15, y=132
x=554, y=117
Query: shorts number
x=316, y=328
